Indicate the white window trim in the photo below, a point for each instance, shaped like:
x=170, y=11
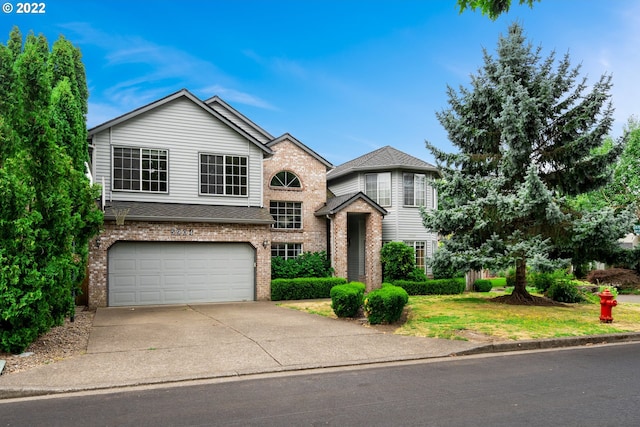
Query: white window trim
x=286, y=244
x=224, y=185
x=274, y=226
x=380, y=184
x=139, y=149
x=417, y=179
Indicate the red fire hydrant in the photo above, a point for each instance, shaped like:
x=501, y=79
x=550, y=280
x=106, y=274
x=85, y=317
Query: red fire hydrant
x=606, y=304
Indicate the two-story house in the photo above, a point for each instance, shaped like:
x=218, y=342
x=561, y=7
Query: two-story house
x=198, y=198
x=400, y=184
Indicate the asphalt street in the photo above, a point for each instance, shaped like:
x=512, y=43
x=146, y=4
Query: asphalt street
x=587, y=386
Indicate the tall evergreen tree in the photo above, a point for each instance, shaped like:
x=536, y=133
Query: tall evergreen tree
x=47, y=208
x=528, y=133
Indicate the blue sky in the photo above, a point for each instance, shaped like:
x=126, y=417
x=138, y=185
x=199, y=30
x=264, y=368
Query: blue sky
x=345, y=77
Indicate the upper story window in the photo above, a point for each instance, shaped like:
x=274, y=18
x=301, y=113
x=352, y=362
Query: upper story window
x=378, y=187
x=287, y=215
x=223, y=175
x=285, y=179
x=140, y=169
x=414, y=189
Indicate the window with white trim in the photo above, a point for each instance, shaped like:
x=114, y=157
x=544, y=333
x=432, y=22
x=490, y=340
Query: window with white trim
x=286, y=250
x=414, y=189
x=420, y=251
x=223, y=175
x=434, y=197
x=140, y=169
x=285, y=179
x=287, y=215
x=378, y=187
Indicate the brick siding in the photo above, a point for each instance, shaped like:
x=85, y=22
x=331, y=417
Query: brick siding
x=312, y=194
x=162, y=232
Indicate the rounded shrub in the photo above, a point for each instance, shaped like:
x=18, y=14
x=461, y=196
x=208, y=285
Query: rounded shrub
x=564, y=291
x=482, y=285
x=385, y=305
x=541, y=281
x=347, y=299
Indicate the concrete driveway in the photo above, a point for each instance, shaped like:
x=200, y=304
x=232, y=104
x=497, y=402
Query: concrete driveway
x=147, y=345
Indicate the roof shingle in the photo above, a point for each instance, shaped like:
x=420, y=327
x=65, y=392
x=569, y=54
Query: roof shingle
x=384, y=158
x=148, y=211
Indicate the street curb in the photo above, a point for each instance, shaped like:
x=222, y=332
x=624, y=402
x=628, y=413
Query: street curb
x=552, y=343
x=502, y=347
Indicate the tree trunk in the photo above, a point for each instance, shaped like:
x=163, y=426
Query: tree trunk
x=520, y=293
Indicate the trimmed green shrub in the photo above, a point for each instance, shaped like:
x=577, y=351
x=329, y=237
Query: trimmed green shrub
x=385, y=305
x=482, y=285
x=432, y=287
x=417, y=275
x=411, y=287
x=347, y=299
x=543, y=281
x=304, y=288
x=398, y=261
x=564, y=291
x=307, y=264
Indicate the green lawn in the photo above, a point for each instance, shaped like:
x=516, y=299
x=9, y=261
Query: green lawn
x=472, y=315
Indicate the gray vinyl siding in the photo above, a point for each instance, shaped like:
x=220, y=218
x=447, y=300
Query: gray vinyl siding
x=242, y=124
x=184, y=130
x=346, y=186
x=401, y=223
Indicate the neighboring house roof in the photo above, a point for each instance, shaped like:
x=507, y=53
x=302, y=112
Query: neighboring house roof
x=336, y=204
x=179, y=94
x=289, y=137
x=385, y=158
x=235, y=116
x=150, y=211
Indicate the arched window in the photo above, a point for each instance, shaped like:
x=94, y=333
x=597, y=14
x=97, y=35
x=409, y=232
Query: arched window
x=285, y=179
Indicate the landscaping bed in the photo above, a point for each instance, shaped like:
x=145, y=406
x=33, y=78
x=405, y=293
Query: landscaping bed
x=474, y=317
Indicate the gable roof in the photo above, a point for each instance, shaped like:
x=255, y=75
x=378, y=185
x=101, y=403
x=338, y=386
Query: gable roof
x=295, y=141
x=384, y=158
x=336, y=204
x=183, y=93
x=220, y=106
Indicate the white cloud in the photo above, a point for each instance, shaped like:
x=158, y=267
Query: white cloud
x=152, y=71
x=232, y=95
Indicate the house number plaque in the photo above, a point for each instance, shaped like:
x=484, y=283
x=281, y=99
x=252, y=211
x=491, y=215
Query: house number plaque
x=182, y=232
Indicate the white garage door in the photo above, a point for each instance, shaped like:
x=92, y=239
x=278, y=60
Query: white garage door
x=147, y=273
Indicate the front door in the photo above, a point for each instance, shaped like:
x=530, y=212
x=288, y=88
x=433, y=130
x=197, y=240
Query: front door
x=356, y=231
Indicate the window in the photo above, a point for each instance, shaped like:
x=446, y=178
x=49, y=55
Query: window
x=378, y=187
x=285, y=179
x=286, y=250
x=286, y=214
x=434, y=198
x=140, y=169
x=414, y=189
x=223, y=175
x=420, y=249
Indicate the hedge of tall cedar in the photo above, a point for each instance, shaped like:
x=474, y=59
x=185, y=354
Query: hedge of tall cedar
x=48, y=212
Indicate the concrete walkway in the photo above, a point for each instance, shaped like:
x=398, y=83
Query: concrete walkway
x=151, y=345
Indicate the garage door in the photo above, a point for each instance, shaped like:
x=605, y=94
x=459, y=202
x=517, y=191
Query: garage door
x=146, y=273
